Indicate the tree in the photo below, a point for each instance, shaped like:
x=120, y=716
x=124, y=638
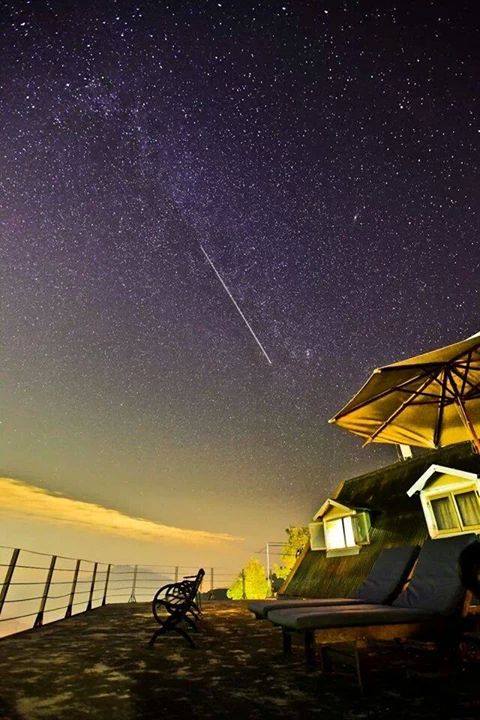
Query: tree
x=297, y=538
x=251, y=583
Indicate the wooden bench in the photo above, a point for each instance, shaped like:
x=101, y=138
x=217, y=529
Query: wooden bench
x=175, y=606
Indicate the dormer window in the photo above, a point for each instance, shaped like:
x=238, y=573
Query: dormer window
x=450, y=500
x=339, y=533
x=339, y=529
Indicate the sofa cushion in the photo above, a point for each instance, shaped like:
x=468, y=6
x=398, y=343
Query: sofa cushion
x=262, y=608
x=436, y=584
x=388, y=574
x=357, y=616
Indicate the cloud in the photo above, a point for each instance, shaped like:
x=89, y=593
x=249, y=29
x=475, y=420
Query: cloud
x=18, y=499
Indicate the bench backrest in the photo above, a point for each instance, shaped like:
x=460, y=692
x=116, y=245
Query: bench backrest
x=388, y=574
x=185, y=591
x=436, y=583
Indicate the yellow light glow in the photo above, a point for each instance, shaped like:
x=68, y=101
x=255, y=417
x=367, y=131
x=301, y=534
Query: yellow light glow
x=21, y=500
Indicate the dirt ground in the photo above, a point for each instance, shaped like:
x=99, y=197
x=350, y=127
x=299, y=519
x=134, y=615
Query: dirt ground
x=98, y=665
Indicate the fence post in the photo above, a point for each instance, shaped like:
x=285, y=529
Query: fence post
x=8, y=577
x=39, y=619
x=104, y=600
x=211, y=580
x=269, y=574
x=132, y=597
x=244, y=593
x=72, y=590
x=176, y=573
x=92, y=587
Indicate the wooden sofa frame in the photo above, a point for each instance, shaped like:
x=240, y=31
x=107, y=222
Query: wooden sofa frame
x=444, y=631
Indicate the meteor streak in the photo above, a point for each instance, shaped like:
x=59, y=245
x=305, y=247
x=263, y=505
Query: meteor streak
x=236, y=305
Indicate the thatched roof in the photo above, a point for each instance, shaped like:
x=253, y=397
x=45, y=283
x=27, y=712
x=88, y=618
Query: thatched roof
x=396, y=520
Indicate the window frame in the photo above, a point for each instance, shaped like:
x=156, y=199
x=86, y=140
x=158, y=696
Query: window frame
x=359, y=530
x=346, y=549
x=449, y=491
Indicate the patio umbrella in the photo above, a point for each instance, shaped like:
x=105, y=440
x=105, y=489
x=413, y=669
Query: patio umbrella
x=430, y=400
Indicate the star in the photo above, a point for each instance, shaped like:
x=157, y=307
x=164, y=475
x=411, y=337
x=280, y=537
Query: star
x=263, y=131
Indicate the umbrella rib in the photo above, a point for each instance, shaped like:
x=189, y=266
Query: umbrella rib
x=423, y=394
x=463, y=414
x=472, y=392
x=433, y=364
x=378, y=396
x=468, y=367
x=435, y=379
x=464, y=380
x=449, y=401
x=399, y=410
x=441, y=406
x=449, y=381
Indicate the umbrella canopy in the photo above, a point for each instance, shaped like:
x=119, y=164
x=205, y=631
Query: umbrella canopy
x=430, y=400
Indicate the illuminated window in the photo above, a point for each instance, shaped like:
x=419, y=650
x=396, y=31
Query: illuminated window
x=339, y=530
x=339, y=533
x=450, y=501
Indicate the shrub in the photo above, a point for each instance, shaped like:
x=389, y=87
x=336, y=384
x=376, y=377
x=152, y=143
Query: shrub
x=251, y=583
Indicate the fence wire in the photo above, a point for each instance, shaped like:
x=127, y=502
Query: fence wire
x=29, y=592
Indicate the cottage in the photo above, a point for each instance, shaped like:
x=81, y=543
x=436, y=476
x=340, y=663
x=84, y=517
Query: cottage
x=436, y=495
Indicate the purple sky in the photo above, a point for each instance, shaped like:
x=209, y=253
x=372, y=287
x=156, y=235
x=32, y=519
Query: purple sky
x=326, y=156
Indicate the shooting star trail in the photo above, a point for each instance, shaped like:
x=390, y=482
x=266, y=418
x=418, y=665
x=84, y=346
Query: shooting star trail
x=236, y=305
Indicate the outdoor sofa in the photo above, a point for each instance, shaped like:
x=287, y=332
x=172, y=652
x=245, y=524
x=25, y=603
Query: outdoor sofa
x=382, y=584
x=428, y=608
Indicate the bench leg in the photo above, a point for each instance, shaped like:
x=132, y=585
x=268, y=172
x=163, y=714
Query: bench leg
x=325, y=659
x=287, y=642
x=196, y=608
x=185, y=635
x=360, y=669
x=449, y=652
x=161, y=631
x=310, y=650
x=170, y=627
x=191, y=623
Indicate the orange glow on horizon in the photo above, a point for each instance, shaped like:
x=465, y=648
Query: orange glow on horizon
x=22, y=501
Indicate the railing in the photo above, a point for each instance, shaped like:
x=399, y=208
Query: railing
x=37, y=588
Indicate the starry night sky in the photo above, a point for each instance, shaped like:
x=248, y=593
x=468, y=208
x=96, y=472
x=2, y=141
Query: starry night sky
x=326, y=156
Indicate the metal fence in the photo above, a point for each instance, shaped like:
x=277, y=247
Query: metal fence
x=37, y=588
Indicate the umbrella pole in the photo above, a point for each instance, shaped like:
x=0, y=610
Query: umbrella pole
x=468, y=424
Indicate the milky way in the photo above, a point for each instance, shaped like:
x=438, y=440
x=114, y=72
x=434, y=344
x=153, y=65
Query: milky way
x=326, y=156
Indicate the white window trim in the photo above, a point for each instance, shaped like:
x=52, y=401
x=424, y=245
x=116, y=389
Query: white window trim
x=329, y=503
x=448, y=490
x=419, y=485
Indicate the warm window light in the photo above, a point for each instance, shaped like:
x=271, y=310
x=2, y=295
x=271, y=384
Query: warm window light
x=339, y=533
x=339, y=529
